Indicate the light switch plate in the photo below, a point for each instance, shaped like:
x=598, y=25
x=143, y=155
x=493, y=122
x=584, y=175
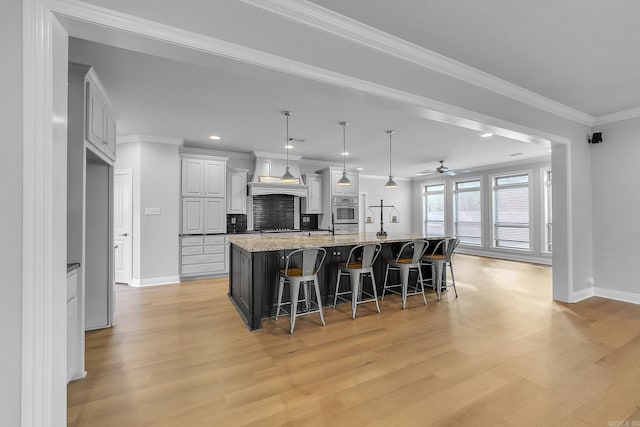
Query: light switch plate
x=152, y=211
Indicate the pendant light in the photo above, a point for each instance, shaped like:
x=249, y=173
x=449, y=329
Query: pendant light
x=344, y=180
x=287, y=178
x=391, y=183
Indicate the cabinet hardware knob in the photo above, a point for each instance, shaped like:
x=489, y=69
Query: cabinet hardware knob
x=124, y=234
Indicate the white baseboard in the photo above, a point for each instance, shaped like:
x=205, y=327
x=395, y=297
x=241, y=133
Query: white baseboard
x=154, y=281
x=582, y=294
x=511, y=256
x=617, y=295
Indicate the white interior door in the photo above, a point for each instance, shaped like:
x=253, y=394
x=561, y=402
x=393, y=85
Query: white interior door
x=122, y=225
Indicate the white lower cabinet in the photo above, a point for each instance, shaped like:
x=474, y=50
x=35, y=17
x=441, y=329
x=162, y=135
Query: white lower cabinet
x=202, y=256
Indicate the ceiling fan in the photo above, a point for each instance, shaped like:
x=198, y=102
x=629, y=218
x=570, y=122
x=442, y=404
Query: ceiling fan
x=443, y=170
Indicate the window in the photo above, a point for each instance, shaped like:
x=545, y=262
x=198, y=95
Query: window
x=547, y=211
x=467, y=212
x=434, y=210
x=511, y=211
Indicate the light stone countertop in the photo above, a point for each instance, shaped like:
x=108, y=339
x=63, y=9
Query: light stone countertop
x=270, y=242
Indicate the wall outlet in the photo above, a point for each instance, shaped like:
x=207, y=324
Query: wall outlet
x=591, y=281
x=152, y=211
x=233, y=220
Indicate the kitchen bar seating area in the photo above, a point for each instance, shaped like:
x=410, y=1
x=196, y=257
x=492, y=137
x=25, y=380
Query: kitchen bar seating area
x=260, y=265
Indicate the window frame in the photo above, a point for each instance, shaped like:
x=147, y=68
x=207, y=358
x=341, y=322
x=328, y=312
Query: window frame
x=444, y=205
x=454, y=207
x=506, y=174
x=544, y=245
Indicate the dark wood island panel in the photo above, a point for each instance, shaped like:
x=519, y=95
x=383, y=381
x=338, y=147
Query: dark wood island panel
x=256, y=261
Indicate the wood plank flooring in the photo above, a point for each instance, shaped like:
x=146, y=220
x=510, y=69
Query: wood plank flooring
x=503, y=353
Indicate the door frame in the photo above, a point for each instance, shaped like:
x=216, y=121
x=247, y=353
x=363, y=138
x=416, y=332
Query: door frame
x=129, y=173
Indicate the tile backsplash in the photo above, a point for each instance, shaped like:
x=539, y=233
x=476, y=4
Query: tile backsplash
x=273, y=211
x=236, y=222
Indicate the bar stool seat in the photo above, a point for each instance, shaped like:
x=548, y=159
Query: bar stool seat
x=357, y=270
x=439, y=263
x=404, y=265
x=301, y=270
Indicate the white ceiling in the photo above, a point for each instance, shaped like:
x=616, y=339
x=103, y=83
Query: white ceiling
x=578, y=53
x=581, y=53
x=242, y=104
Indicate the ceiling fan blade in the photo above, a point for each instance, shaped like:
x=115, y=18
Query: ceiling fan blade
x=463, y=171
x=451, y=173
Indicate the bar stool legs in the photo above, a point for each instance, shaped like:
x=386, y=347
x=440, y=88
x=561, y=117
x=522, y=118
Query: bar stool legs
x=294, y=288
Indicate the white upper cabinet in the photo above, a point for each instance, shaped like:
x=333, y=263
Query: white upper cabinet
x=99, y=115
x=203, y=178
x=215, y=173
x=237, y=191
x=313, y=203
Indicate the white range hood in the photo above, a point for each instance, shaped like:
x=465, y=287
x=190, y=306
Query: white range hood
x=268, y=168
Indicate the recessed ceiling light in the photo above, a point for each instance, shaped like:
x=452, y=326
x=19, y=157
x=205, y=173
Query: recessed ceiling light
x=486, y=135
x=288, y=147
x=215, y=137
x=345, y=153
x=359, y=169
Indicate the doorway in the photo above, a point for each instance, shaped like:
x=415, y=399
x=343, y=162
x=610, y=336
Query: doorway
x=123, y=225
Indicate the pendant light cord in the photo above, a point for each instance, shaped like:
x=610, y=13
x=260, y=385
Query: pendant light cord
x=390, y=152
x=344, y=147
x=287, y=141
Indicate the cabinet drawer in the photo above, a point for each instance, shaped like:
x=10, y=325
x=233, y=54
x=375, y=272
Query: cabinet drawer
x=192, y=250
x=202, y=259
x=214, y=240
x=217, y=249
x=192, y=241
x=209, y=268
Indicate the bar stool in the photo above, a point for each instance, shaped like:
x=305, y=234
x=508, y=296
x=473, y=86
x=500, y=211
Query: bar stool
x=301, y=268
x=439, y=263
x=357, y=270
x=404, y=263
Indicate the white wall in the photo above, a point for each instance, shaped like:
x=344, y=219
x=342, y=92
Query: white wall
x=616, y=212
x=11, y=212
x=156, y=184
x=159, y=188
x=400, y=197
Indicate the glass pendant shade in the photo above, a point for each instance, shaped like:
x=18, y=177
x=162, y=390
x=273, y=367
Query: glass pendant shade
x=391, y=183
x=344, y=180
x=288, y=177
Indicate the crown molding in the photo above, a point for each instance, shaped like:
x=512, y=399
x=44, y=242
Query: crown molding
x=431, y=109
x=125, y=139
x=312, y=15
x=632, y=113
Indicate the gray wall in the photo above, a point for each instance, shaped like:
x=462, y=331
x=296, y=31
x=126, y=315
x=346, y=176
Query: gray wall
x=11, y=212
x=616, y=212
x=400, y=197
x=156, y=184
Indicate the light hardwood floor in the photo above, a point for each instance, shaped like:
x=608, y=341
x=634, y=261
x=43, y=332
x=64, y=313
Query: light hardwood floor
x=502, y=354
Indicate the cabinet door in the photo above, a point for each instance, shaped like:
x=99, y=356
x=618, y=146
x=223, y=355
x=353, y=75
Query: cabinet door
x=72, y=338
x=214, y=178
x=215, y=219
x=314, y=201
x=192, y=173
x=192, y=215
x=236, y=194
x=110, y=136
x=95, y=115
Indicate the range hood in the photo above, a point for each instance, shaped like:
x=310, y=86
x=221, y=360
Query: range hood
x=267, y=170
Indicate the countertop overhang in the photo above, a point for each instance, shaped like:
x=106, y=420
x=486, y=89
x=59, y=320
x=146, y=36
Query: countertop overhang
x=269, y=242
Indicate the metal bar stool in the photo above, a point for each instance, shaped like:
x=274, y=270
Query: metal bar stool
x=301, y=268
x=439, y=263
x=357, y=270
x=404, y=263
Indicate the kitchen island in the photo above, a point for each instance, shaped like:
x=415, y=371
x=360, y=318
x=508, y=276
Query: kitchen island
x=257, y=259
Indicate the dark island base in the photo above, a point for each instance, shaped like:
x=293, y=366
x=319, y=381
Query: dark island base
x=254, y=278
